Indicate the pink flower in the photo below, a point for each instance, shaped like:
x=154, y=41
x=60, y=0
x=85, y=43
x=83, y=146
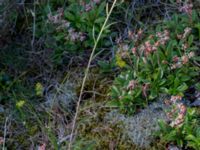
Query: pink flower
x=149, y=48
x=144, y=89
x=158, y=34
x=154, y=48
x=179, y=36
x=184, y=59
x=151, y=36
x=176, y=65
x=175, y=98
x=130, y=34
x=185, y=46
x=132, y=84
x=187, y=31
x=147, y=44
x=88, y=7
x=183, y=109
x=191, y=54
x=140, y=31
x=166, y=32
x=157, y=44
x=134, y=50
x=42, y=147
x=1, y=140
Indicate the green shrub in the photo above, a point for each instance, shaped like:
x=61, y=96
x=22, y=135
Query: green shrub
x=72, y=29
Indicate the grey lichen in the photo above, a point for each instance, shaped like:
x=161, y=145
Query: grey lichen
x=63, y=96
x=141, y=127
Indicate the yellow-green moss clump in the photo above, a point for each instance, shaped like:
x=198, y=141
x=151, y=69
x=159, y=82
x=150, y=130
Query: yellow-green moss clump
x=93, y=130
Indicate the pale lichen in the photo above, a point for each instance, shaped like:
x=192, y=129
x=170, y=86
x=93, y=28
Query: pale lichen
x=142, y=126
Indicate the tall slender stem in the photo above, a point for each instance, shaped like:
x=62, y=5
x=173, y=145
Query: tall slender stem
x=87, y=71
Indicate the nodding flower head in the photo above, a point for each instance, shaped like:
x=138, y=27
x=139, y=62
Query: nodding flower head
x=175, y=59
x=134, y=50
x=145, y=87
x=132, y=84
x=88, y=7
x=191, y=54
x=184, y=59
x=187, y=31
x=140, y=31
x=175, y=98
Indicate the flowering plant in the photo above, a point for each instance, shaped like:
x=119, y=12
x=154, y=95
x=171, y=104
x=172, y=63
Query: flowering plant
x=185, y=134
x=160, y=61
x=72, y=29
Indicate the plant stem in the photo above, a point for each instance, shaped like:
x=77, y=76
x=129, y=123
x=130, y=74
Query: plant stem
x=87, y=71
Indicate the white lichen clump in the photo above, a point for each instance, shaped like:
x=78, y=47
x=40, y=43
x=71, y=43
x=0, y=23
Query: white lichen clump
x=141, y=127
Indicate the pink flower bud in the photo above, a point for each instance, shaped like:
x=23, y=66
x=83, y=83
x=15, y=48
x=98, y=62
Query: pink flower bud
x=157, y=44
x=175, y=59
x=134, y=50
x=191, y=54
x=132, y=84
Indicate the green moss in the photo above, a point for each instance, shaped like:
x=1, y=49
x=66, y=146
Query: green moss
x=103, y=134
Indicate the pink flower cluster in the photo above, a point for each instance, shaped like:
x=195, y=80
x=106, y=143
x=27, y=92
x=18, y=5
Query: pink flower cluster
x=178, y=111
x=145, y=87
x=187, y=31
x=57, y=19
x=75, y=36
x=163, y=37
x=135, y=36
x=148, y=48
x=133, y=84
x=178, y=62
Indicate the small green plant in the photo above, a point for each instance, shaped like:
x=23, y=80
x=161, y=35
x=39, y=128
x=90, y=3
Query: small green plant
x=160, y=61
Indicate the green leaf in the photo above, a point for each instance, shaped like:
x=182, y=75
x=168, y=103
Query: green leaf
x=164, y=90
x=176, y=82
x=99, y=20
x=197, y=58
x=153, y=94
x=185, y=78
x=197, y=85
x=115, y=91
x=162, y=82
x=182, y=87
x=190, y=137
x=190, y=40
x=113, y=103
x=69, y=16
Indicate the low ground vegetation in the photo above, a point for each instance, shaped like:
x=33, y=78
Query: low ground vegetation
x=146, y=64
